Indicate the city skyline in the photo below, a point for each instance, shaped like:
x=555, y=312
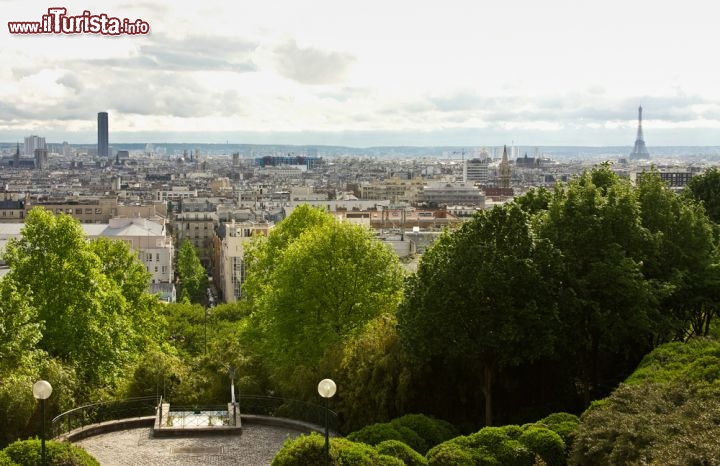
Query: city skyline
x=369, y=74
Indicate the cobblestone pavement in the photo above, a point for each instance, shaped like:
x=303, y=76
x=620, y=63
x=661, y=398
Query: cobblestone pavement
x=256, y=446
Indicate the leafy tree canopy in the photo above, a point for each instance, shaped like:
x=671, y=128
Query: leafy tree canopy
x=312, y=284
x=92, y=313
x=191, y=273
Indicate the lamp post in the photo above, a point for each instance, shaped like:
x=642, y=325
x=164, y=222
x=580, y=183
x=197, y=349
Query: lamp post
x=41, y=391
x=326, y=389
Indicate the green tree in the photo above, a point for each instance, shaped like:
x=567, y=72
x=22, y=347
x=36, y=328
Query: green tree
x=20, y=330
x=706, y=189
x=483, y=298
x=609, y=322
x=375, y=375
x=86, y=319
x=191, y=273
x=317, y=291
x=682, y=260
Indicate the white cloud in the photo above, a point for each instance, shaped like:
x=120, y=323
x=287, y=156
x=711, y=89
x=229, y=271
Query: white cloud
x=323, y=67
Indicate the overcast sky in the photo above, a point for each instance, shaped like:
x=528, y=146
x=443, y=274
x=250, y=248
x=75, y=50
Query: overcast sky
x=370, y=72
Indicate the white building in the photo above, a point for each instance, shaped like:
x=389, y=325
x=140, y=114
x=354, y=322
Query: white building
x=476, y=170
x=232, y=255
x=147, y=238
x=175, y=193
x=34, y=142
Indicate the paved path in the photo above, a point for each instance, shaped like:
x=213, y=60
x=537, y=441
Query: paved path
x=256, y=446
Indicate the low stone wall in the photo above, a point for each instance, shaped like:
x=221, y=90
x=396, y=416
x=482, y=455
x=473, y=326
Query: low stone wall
x=149, y=421
x=105, y=427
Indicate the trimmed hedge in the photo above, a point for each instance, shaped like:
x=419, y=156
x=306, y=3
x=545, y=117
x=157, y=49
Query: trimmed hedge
x=432, y=431
x=29, y=453
x=344, y=452
x=418, y=431
x=400, y=450
x=304, y=449
x=458, y=452
x=546, y=444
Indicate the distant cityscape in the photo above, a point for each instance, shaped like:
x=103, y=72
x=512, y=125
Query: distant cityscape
x=156, y=195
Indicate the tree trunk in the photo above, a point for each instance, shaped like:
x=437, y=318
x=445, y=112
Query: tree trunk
x=487, y=391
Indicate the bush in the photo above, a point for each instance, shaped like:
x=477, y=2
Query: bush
x=650, y=424
x=5, y=460
x=387, y=460
x=453, y=453
x=302, y=450
x=507, y=451
x=29, y=453
x=400, y=450
x=432, y=431
x=563, y=424
x=567, y=432
x=559, y=418
x=376, y=433
x=546, y=444
x=347, y=453
x=513, y=431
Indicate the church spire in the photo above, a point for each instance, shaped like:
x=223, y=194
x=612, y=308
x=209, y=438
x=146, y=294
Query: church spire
x=504, y=170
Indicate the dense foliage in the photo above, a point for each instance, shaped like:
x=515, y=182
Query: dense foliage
x=74, y=312
x=667, y=413
x=503, y=311
x=706, y=189
x=563, y=291
x=313, y=285
x=537, y=306
x=529, y=445
x=191, y=273
x=28, y=453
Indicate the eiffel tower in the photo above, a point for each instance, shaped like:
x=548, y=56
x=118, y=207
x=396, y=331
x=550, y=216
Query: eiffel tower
x=640, y=151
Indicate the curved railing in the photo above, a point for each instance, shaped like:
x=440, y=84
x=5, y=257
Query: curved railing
x=289, y=409
x=268, y=406
x=96, y=413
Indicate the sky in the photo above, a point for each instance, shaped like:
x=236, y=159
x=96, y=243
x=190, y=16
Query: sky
x=369, y=73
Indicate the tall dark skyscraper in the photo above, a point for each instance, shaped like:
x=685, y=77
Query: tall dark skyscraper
x=103, y=149
x=639, y=151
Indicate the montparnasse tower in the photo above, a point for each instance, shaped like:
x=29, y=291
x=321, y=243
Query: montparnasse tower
x=639, y=151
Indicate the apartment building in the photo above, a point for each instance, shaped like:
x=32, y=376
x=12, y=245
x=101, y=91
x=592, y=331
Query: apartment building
x=231, y=240
x=149, y=239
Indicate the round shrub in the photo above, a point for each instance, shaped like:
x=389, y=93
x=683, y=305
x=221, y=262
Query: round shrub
x=29, y=453
x=513, y=431
x=454, y=454
x=557, y=418
x=302, y=450
x=347, y=453
x=413, y=439
x=432, y=431
x=546, y=444
x=567, y=432
x=375, y=433
x=563, y=424
x=387, y=460
x=400, y=450
x=507, y=451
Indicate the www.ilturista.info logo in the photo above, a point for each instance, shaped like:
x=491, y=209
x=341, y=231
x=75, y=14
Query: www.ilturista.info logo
x=56, y=21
